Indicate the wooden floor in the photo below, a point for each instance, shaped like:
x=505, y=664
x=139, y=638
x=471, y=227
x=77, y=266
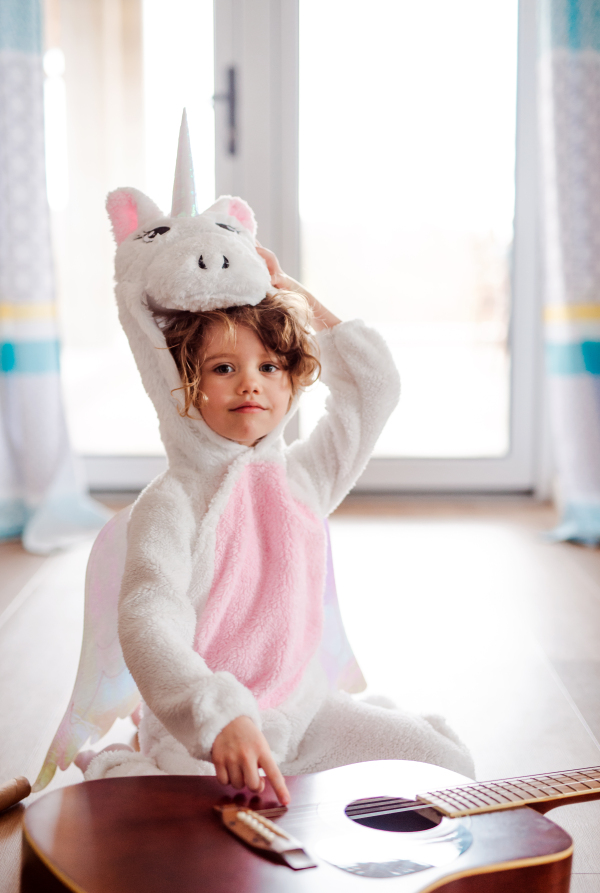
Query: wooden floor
x=458, y=606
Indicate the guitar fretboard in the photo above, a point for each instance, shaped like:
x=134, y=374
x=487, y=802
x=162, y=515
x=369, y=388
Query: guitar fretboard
x=490, y=796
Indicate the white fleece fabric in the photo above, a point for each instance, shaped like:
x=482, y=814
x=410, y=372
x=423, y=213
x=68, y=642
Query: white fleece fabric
x=175, y=596
x=171, y=546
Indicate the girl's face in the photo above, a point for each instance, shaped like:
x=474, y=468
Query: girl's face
x=247, y=391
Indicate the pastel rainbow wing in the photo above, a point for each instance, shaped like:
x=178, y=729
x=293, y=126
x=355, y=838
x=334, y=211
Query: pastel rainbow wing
x=337, y=658
x=104, y=689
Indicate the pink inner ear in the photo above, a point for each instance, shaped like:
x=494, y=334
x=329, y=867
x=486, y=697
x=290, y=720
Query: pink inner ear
x=242, y=212
x=123, y=213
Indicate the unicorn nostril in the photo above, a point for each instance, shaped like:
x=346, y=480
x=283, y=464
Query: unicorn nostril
x=225, y=263
x=201, y=263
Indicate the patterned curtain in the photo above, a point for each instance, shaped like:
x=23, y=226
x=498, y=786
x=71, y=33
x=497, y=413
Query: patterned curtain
x=569, y=91
x=41, y=498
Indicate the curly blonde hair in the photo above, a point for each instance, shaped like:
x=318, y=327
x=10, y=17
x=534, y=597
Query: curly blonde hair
x=281, y=322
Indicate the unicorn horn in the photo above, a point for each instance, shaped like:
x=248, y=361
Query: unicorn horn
x=184, y=188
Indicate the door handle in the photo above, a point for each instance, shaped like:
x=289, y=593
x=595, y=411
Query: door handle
x=231, y=99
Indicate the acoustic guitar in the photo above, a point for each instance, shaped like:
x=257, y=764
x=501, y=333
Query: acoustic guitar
x=414, y=825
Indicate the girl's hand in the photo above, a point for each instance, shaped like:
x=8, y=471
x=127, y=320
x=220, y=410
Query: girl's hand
x=322, y=317
x=238, y=752
x=278, y=277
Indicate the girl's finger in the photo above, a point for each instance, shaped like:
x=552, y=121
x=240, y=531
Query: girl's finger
x=276, y=778
x=251, y=776
x=270, y=260
x=222, y=774
x=236, y=776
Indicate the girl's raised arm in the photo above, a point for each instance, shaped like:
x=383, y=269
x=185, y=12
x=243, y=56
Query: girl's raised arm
x=364, y=387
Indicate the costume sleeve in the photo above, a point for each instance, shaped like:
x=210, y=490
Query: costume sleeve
x=364, y=388
x=157, y=624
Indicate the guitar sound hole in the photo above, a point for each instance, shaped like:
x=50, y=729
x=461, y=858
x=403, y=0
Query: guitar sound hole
x=392, y=814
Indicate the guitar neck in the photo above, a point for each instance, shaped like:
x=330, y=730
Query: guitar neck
x=508, y=793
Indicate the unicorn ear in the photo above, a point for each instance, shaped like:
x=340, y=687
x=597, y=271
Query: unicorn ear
x=128, y=208
x=231, y=206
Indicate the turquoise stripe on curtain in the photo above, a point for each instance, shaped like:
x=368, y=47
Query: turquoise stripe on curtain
x=29, y=357
x=572, y=24
x=573, y=359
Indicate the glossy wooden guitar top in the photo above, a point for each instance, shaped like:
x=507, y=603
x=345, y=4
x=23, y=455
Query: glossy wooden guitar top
x=159, y=833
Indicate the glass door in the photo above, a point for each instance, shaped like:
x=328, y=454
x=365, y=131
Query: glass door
x=407, y=156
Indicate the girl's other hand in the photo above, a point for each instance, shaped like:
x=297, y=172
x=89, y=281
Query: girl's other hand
x=322, y=317
x=240, y=749
x=278, y=277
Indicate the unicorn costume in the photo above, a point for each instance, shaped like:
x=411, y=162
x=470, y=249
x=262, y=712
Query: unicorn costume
x=226, y=605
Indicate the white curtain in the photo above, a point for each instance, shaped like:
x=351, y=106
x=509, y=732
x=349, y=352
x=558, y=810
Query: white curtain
x=41, y=497
x=569, y=82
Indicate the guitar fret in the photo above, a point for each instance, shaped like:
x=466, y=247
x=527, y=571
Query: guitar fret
x=457, y=803
x=491, y=794
x=507, y=796
x=508, y=792
x=513, y=785
x=512, y=792
x=473, y=794
x=528, y=791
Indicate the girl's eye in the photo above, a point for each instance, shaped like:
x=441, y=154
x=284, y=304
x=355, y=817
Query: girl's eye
x=268, y=367
x=224, y=368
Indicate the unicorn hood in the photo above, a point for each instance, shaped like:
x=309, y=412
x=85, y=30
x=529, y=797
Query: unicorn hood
x=180, y=261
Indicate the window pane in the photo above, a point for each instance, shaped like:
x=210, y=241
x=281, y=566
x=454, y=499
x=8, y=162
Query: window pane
x=407, y=135
x=127, y=81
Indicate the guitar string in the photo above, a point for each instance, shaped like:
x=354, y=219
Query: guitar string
x=370, y=807
x=386, y=806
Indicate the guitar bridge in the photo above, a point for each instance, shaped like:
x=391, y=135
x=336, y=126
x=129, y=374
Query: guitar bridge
x=262, y=834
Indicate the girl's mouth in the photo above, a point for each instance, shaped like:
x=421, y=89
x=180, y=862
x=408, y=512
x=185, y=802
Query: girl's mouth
x=249, y=407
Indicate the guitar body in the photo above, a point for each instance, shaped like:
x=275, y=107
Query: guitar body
x=159, y=833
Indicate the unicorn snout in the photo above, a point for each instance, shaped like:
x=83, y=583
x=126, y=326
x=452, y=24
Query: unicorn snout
x=203, y=265
x=201, y=270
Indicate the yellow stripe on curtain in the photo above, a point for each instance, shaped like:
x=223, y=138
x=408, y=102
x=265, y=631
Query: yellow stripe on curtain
x=27, y=311
x=572, y=312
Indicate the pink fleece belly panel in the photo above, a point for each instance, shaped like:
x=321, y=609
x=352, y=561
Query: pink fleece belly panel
x=264, y=614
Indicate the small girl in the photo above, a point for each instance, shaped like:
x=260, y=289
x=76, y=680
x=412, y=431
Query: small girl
x=221, y=605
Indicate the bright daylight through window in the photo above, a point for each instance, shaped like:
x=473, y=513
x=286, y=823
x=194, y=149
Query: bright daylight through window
x=407, y=158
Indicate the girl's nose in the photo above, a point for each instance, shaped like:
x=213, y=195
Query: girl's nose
x=249, y=383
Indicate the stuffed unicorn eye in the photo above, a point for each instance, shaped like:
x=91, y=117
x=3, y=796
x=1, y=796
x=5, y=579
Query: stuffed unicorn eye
x=153, y=233
x=231, y=229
